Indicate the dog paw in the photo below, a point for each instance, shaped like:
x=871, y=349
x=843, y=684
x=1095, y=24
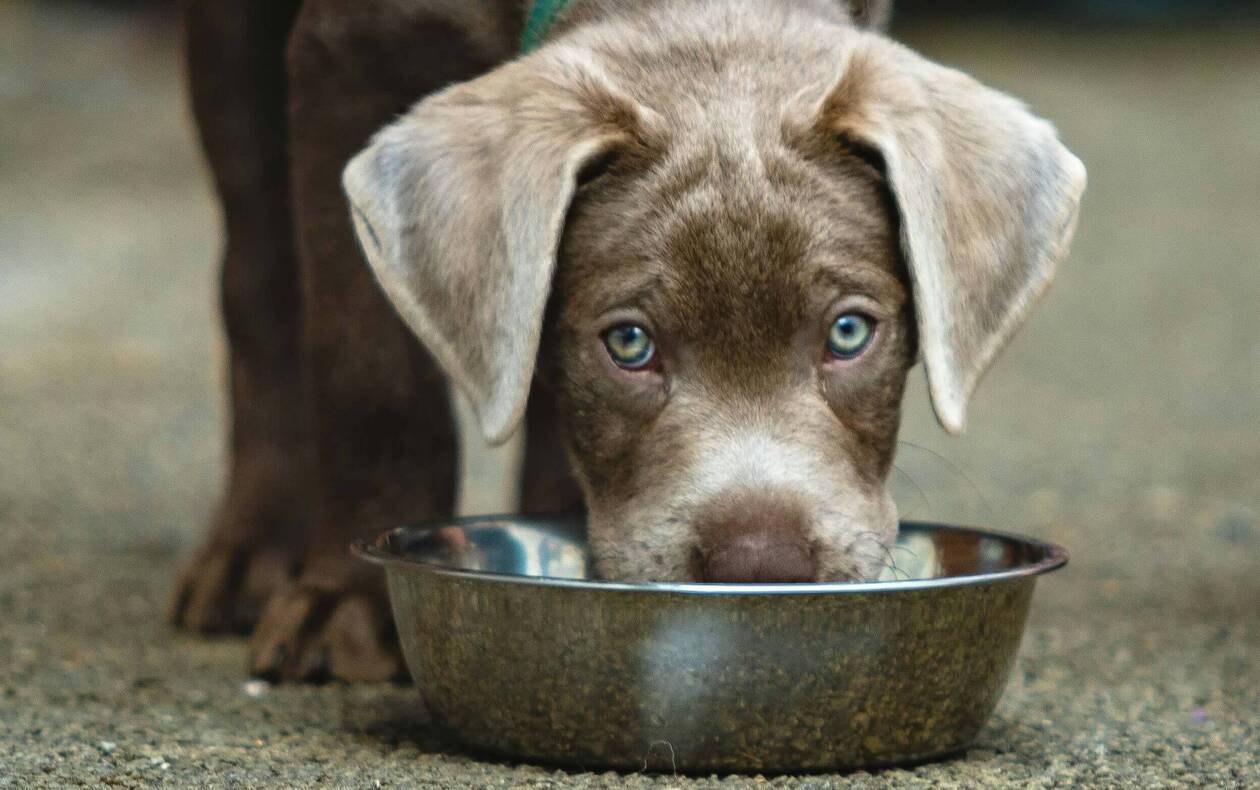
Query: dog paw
x=223, y=588
x=314, y=631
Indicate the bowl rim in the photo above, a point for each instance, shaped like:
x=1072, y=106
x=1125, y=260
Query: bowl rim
x=375, y=551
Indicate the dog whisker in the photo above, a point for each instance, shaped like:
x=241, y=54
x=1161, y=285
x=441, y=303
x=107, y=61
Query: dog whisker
x=956, y=469
x=922, y=494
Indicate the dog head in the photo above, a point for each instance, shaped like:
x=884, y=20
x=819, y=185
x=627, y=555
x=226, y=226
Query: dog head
x=723, y=252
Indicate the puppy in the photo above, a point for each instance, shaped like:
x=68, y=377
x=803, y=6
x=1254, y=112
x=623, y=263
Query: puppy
x=707, y=239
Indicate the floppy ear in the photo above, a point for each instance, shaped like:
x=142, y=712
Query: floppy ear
x=988, y=198
x=459, y=208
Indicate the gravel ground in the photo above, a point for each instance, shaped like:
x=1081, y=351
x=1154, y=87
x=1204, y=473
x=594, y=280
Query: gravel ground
x=1122, y=423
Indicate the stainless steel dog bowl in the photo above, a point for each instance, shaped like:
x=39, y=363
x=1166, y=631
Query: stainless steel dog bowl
x=518, y=652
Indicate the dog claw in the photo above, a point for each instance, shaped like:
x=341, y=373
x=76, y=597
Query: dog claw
x=311, y=633
x=315, y=669
x=268, y=668
x=222, y=589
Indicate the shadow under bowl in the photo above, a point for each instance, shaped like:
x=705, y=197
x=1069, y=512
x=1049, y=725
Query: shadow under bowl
x=519, y=652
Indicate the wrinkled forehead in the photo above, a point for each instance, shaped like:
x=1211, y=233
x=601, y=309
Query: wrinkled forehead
x=747, y=246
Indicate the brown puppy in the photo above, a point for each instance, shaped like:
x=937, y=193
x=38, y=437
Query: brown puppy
x=718, y=233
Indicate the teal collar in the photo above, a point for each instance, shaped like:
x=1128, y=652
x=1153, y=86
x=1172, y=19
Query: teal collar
x=542, y=13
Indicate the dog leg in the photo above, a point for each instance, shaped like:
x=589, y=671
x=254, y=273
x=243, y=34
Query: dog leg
x=236, y=65
x=381, y=424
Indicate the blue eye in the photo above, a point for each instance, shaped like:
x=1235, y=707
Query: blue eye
x=630, y=346
x=850, y=335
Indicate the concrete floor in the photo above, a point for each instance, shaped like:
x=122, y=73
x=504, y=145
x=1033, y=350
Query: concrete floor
x=1124, y=423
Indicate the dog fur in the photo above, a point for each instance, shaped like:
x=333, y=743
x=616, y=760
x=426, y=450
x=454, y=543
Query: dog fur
x=730, y=174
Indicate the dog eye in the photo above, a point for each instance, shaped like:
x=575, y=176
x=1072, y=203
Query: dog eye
x=630, y=346
x=850, y=335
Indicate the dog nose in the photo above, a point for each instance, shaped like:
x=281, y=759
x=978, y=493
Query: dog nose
x=758, y=558
x=757, y=542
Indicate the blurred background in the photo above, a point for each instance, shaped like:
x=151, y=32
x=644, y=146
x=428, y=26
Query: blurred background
x=1124, y=421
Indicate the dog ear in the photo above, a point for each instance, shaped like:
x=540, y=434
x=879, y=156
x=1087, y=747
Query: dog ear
x=459, y=208
x=987, y=194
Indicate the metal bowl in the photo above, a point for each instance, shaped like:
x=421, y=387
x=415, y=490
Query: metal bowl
x=519, y=652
